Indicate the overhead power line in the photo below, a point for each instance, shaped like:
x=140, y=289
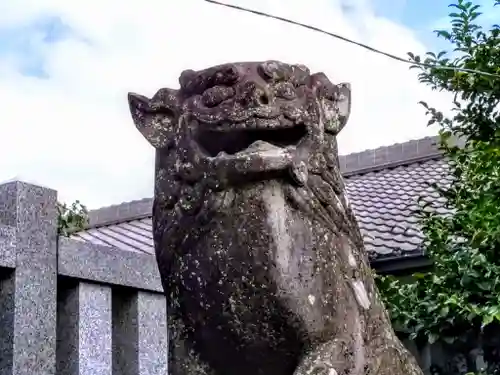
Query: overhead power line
x=336, y=36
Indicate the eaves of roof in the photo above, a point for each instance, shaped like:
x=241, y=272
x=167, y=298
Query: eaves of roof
x=382, y=184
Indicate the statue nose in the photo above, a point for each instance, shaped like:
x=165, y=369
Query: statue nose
x=256, y=94
x=262, y=95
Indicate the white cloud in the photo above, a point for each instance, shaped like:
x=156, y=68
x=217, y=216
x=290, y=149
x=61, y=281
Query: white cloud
x=72, y=131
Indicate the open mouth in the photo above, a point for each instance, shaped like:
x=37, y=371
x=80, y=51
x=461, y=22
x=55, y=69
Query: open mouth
x=232, y=142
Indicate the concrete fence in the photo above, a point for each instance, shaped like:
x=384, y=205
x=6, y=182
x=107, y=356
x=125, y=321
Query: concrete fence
x=69, y=307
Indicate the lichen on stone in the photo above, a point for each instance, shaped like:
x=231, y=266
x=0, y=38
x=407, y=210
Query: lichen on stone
x=259, y=252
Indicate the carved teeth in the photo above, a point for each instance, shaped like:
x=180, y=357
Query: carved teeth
x=222, y=154
x=261, y=146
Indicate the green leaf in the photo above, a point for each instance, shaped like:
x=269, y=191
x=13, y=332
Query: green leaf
x=432, y=338
x=444, y=311
x=463, y=287
x=448, y=339
x=419, y=275
x=487, y=319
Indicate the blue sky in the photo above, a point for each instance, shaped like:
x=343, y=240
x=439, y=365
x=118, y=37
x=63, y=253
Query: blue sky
x=423, y=15
x=418, y=14
x=65, y=68
x=23, y=43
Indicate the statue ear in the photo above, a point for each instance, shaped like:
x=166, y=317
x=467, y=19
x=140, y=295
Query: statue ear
x=337, y=103
x=343, y=103
x=155, y=118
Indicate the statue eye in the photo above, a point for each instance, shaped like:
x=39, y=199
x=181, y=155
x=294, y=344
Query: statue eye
x=286, y=90
x=215, y=95
x=329, y=92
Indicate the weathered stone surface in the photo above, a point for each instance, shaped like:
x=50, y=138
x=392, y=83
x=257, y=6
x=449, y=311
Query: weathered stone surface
x=259, y=252
x=28, y=343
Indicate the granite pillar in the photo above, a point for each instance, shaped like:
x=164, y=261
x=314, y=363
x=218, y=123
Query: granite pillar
x=31, y=212
x=84, y=330
x=139, y=333
x=7, y=303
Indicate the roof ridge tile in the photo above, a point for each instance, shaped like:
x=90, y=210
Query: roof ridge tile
x=373, y=160
x=122, y=212
x=390, y=156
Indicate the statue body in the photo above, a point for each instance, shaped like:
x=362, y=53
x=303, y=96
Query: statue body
x=260, y=254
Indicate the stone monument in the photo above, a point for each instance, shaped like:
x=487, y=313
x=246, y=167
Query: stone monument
x=260, y=254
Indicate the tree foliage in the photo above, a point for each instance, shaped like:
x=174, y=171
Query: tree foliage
x=71, y=218
x=461, y=295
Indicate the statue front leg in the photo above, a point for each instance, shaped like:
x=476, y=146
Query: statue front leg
x=343, y=354
x=339, y=356
x=183, y=360
x=393, y=358
x=354, y=353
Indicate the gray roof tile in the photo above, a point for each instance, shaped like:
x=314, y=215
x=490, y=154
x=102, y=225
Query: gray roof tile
x=385, y=201
x=133, y=235
x=383, y=186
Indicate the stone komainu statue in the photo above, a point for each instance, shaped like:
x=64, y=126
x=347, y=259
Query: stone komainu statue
x=259, y=252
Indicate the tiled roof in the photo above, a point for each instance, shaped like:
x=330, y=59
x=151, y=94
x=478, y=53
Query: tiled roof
x=383, y=186
x=384, y=202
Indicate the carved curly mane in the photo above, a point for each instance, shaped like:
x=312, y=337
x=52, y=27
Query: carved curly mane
x=259, y=252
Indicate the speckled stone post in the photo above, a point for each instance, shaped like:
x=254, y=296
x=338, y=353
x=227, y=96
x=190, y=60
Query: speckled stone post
x=259, y=252
x=7, y=304
x=28, y=222
x=85, y=330
x=140, y=344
